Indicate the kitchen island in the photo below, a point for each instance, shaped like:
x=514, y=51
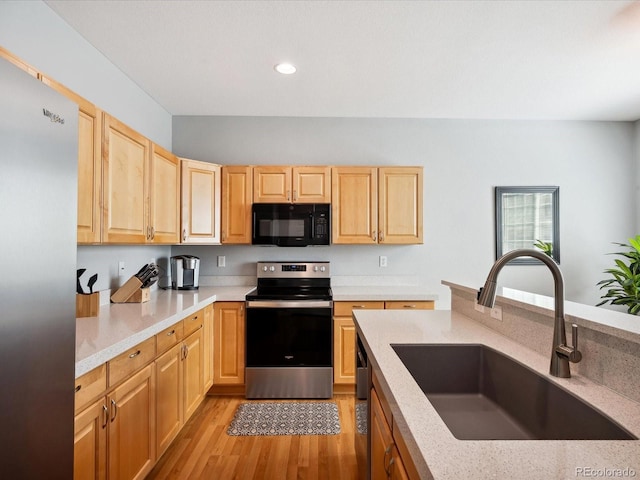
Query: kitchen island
x=432, y=448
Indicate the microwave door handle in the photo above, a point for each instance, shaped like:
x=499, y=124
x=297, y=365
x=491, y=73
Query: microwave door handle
x=313, y=227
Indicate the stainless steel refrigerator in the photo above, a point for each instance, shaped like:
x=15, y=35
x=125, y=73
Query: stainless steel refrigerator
x=38, y=210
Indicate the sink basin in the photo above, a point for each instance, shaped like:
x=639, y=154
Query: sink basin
x=482, y=394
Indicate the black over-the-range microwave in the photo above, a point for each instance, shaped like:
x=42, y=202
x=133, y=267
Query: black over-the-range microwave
x=291, y=225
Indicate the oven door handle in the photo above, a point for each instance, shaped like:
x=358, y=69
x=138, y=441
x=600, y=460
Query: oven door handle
x=289, y=304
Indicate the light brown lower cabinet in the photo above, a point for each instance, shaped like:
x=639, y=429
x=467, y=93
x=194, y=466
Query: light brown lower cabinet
x=123, y=426
x=386, y=462
x=344, y=334
x=131, y=450
x=228, y=368
x=90, y=443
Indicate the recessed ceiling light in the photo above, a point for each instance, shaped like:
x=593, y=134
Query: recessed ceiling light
x=285, y=68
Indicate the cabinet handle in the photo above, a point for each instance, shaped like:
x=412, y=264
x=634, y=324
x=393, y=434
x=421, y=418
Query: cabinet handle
x=172, y=332
x=134, y=354
x=184, y=235
x=153, y=233
x=373, y=234
x=295, y=195
x=386, y=466
x=391, y=462
x=288, y=195
x=114, y=410
x=358, y=306
x=186, y=351
x=78, y=388
x=224, y=235
x=381, y=236
x=409, y=306
x=105, y=416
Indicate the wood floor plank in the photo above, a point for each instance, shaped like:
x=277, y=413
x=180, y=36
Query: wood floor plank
x=203, y=450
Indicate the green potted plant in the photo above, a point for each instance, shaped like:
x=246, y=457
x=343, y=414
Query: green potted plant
x=624, y=286
x=546, y=247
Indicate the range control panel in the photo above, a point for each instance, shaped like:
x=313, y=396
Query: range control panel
x=293, y=269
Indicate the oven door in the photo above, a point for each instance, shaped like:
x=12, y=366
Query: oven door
x=289, y=349
x=289, y=334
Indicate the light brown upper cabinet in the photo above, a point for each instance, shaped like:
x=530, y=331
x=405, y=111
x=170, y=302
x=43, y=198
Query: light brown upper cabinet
x=164, y=194
x=141, y=185
x=284, y=184
x=89, y=164
x=376, y=205
x=125, y=164
x=200, y=202
x=400, y=205
x=237, y=191
x=354, y=205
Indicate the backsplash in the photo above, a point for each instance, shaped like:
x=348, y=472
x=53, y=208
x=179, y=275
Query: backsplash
x=610, y=356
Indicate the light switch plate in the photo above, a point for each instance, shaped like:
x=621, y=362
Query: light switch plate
x=496, y=312
x=222, y=261
x=383, y=261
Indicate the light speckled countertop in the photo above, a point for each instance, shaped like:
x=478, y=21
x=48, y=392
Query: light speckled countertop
x=119, y=327
x=438, y=454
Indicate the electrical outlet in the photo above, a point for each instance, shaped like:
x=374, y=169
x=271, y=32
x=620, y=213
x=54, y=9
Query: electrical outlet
x=478, y=307
x=222, y=261
x=120, y=268
x=496, y=312
x=383, y=261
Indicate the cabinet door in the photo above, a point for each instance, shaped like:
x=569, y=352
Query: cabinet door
x=228, y=343
x=237, y=194
x=200, y=202
x=89, y=164
x=354, y=205
x=192, y=362
x=90, y=443
x=207, y=350
x=132, y=436
x=344, y=350
x=164, y=192
x=311, y=184
x=400, y=205
x=125, y=167
x=272, y=184
x=169, y=406
x=381, y=441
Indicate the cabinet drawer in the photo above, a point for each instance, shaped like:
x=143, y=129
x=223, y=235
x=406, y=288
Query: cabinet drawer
x=128, y=362
x=169, y=337
x=90, y=385
x=409, y=305
x=343, y=309
x=193, y=322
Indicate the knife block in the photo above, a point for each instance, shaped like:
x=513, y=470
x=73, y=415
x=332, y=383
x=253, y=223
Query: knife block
x=131, y=292
x=87, y=305
x=140, y=296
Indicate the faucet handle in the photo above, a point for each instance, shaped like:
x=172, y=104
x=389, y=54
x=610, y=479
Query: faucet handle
x=575, y=356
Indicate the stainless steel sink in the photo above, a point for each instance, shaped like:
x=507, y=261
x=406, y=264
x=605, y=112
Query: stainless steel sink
x=482, y=394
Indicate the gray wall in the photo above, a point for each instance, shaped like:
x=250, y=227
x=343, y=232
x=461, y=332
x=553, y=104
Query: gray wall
x=31, y=30
x=592, y=162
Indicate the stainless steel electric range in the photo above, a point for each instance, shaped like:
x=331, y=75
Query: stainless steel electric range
x=289, y=332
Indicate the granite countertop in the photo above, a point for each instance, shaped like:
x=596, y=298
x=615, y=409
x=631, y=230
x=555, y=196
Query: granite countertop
x=119, y=327
x=438, y=454
x=381, y=293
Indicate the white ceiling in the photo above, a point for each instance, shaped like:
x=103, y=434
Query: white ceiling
x=417, y=59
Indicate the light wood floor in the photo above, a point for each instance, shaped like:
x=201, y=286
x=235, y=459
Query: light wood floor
x=203, y=450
